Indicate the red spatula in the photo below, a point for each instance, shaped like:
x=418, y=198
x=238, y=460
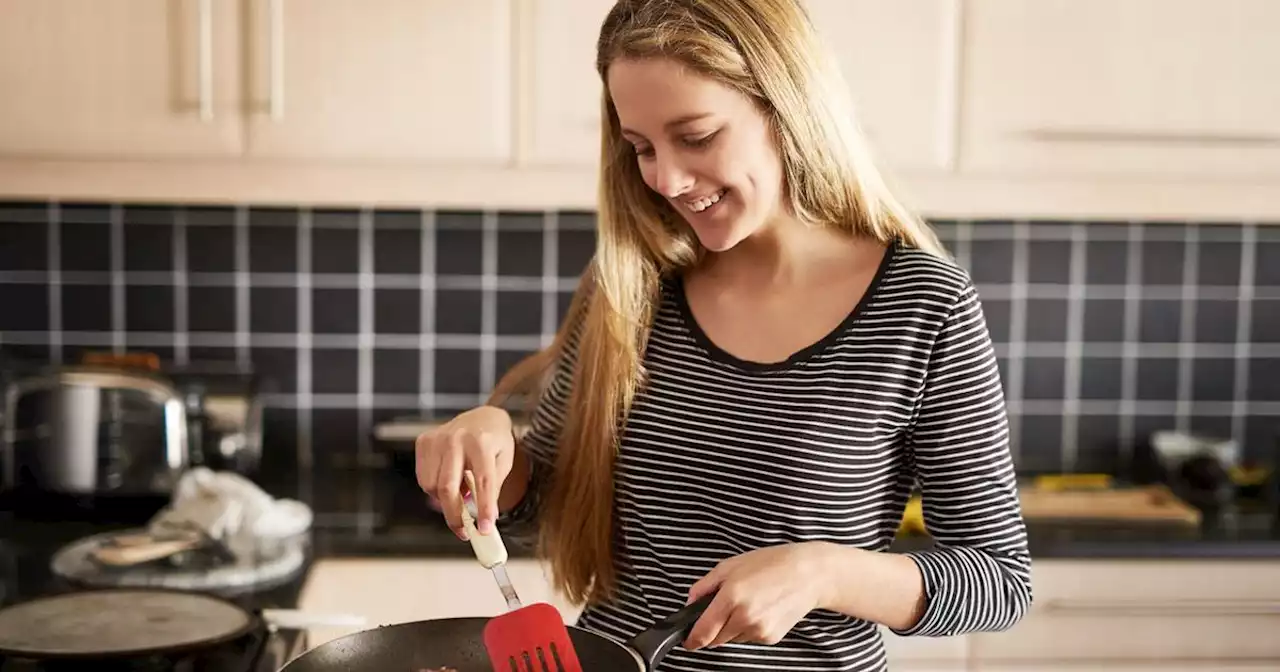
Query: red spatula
x=525, y=639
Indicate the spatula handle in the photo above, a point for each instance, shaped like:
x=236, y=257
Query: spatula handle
x=488, y=548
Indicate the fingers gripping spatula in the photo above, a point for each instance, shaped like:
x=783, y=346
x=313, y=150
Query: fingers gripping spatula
x=525, y=639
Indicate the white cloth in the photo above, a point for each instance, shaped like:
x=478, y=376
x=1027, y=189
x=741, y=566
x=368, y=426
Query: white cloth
x=234, y=510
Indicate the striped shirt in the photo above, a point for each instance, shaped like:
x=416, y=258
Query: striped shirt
x=721, y=456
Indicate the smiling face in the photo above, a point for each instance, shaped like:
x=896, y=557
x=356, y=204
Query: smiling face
x=702, y=146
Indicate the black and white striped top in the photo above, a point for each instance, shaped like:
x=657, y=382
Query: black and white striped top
x=721, y=456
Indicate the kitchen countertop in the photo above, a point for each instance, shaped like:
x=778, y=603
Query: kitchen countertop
x=380, y=512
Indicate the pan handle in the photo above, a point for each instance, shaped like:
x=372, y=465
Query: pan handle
x=655, y=643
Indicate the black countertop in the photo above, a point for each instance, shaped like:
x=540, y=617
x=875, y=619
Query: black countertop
x=380, y=512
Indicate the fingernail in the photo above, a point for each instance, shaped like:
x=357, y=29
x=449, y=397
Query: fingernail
x=486, y=526
x=462, y=534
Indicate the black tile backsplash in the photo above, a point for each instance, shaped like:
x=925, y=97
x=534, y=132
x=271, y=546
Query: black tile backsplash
x=1106, y=331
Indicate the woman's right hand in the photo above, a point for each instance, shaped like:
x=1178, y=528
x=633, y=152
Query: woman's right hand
x=479, y=440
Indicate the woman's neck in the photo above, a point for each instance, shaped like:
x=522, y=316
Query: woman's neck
x=786, y=253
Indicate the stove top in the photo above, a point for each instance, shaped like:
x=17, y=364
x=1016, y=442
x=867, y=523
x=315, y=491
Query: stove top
x=29, y=545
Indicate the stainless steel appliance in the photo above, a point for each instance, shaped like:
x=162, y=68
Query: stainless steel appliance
x=88, y=429
x=111, y=428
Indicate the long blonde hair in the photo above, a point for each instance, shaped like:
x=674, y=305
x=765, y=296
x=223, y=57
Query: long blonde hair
x=768, y=51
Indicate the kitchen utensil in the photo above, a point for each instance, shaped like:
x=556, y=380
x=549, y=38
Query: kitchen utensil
x=459, y=643
x=524, y=635
x=137, y=553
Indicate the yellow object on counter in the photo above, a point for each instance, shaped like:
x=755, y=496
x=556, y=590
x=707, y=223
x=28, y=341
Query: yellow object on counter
x=913, y=517
x=1061, y=482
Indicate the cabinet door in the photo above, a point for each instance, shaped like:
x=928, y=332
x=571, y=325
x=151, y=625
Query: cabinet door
x=900, y=61
x=416, y=80
x=1157, y=88
x=895, y=57
x=119, y=78
x=563, y=89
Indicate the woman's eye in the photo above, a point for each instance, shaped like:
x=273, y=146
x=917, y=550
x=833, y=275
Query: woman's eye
x=643, y=151
x=701, y=140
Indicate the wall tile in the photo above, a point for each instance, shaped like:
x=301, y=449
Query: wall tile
x=1178, y=325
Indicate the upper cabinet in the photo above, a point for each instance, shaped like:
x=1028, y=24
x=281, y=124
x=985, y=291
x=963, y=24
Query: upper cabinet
x=425, y=81
x=897, y=57
x=1103, y=89
x=562, y=87
x=1165, y=109
x=422, y=80
x=900, y=60
x=110, y=79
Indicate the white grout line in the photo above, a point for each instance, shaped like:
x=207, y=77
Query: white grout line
x=55, y=282
x=1187, y=329
x=488, y=303
x=533, y=342
x=364, y=368
x=116, y=250
x=306, y=453
x=550, y=276
x=1074, y=350
x=181, y=344
x=1091, y=407
x=242, y=285
x=1244, y=324
x=427, y=318
x=1131, y=349
x=536, y=283
x=1017, y=338
x=364, y=352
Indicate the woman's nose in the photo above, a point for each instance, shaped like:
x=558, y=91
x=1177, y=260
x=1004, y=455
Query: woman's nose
x=671, y=179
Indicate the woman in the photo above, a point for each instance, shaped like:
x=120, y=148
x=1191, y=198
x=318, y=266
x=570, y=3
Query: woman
x=765, y=355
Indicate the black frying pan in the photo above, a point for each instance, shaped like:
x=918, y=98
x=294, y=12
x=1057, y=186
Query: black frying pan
x=458, y=643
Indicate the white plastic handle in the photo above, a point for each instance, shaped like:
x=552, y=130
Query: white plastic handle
x=489, y=549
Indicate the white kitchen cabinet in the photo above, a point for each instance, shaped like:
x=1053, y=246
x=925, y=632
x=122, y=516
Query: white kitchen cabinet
x=897, y=58
x=399, y=590
x=119, y=79
x=560, y=83
x=901, y=62
x=415, y=80
x=1092, y=666
x=1147, y=89
x=1117, y=613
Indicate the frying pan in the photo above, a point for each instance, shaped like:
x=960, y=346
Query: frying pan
x=459, y=643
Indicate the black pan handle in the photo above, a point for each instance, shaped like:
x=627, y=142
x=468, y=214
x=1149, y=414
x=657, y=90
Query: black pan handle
x=655, y=643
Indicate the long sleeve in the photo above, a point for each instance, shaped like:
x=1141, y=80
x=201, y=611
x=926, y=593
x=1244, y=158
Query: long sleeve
x=978, y=575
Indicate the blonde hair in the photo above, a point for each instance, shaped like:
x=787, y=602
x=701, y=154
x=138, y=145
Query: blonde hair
x=768, y=51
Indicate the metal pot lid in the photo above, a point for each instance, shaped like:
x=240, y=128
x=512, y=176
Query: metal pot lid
x=118, y=622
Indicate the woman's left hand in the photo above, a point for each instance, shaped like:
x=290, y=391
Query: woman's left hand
x=760, y=595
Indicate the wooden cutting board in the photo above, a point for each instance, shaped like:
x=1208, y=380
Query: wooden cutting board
x=1143, y=504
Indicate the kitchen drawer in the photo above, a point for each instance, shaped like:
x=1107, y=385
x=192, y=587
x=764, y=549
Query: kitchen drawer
x=1149, y=610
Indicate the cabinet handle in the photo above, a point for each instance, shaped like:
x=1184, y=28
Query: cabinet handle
x=1171, y=137
x=1172, y=608
x=206, y=60
x=275, y=25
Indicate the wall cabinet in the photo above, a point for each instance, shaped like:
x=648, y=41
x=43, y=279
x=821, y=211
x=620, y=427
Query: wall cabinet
x=405, y=80
x=1152, y=88
x=1147, y=109
x=113, y=79
x=316, y=81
